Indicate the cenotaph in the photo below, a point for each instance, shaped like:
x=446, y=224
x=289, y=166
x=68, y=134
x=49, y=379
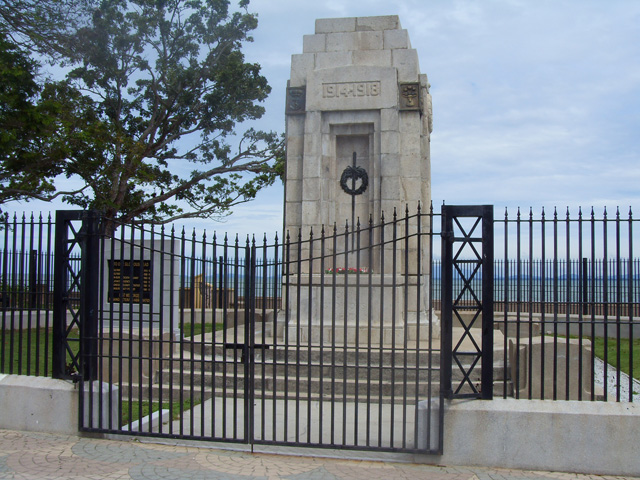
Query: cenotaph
x=358, y=123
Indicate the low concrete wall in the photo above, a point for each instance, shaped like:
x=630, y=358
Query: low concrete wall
x=568, y=436
x=42, y=404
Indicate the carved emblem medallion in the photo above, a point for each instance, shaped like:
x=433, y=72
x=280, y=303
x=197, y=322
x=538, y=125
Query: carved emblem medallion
x=296, y=100
x=409, y=96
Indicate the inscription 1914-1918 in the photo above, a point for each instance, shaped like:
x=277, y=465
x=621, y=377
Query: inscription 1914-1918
x=130, y=281
x=351, y=89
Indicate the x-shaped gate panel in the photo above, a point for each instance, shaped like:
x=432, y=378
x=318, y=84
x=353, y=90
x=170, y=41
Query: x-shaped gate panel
x=467, y=285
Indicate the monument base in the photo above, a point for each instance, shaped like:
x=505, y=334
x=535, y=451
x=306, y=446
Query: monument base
x=364, y=309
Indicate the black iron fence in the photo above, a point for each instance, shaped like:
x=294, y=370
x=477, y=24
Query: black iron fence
x=345, y=358
x=568, y=304
x=564, y=287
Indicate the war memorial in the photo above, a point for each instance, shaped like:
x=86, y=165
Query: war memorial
x=372, y=326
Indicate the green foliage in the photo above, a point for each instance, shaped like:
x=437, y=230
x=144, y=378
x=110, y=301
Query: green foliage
x=28, y=157
x=189, y=330
x=130, y=412
x=611, y=347
x=145, y=116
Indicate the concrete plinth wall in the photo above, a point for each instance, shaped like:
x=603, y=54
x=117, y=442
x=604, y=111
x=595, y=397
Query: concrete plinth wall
x=566, y=436
x=42, y=404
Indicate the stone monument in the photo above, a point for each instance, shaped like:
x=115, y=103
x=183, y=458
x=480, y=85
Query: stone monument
x=358, y=122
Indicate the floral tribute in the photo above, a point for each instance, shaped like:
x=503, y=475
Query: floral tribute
x=344, y=271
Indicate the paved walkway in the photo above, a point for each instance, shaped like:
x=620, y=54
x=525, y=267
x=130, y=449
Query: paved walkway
x=29, y=455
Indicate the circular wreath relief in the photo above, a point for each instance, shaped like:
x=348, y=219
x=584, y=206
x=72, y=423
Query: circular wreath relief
x=350, y=176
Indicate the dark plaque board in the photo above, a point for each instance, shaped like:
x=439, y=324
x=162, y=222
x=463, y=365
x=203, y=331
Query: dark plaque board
x=130, y=281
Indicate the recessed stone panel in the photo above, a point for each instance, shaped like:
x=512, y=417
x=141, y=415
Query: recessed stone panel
x=352, y=88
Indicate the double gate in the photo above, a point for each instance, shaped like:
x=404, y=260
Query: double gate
x=325, y=339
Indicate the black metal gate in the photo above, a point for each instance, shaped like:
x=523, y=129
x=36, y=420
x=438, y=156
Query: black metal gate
x=327, y=340
x=467, y=256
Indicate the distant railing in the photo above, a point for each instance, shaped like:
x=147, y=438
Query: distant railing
x=569, y=288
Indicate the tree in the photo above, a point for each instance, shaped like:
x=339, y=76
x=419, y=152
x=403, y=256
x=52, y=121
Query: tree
x=28, y=157
x=145, y=114
x=45, y=26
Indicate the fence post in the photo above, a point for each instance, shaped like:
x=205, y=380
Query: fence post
x=60, y=296
x=585, y=286
x=446, y=300
x=85, y=318
x=481, y=263
x=89, y=287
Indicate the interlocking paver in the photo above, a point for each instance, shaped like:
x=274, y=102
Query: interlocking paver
x=42, y=456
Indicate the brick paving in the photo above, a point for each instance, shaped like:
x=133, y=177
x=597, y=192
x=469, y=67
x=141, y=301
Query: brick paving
x=41, y=456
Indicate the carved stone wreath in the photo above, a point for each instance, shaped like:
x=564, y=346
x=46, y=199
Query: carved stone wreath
x=350, y=176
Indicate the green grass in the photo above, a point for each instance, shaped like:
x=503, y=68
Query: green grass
x=32, y=351
x=131, y=411
x=197, y=328
x=612, y=354
x=32, y=348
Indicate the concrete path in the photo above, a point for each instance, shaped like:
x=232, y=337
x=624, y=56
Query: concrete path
x=29, y=455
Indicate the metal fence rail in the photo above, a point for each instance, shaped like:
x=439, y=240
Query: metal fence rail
x=569, y=298
x=564, y=287
x=26, y=277
x=345, y=357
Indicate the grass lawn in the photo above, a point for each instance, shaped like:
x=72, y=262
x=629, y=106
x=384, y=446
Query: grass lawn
x=131, y=411
x=197, y=328
x=29, y=352
x=612, y=355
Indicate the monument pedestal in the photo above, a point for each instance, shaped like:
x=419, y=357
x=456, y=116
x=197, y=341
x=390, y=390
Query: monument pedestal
x=365, y=309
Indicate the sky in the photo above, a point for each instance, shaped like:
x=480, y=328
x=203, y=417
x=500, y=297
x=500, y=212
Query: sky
x=535, y=103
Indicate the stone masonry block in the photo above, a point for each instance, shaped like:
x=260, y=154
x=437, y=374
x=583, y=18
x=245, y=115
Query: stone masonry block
x=410, y=165
x=294, y=190
x=406, y=61
x=312, y=122
x=333, y=59
x=377, y=58
x=314, y=43
x=389, y=119
x=311, y=189
x=312, y=166
x=295, y=144
x=389, y=164
x=394, y=39
x=310, y=209
x=301, y=67
x=389, y=142
x=386, y=22
x=294, y=167
x=390, y=188
x=330, y=25
x=295, y=125
x=293, y=210
x=340, y=42
x=411, y=190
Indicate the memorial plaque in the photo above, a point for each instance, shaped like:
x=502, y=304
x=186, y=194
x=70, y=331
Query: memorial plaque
x=130, y=281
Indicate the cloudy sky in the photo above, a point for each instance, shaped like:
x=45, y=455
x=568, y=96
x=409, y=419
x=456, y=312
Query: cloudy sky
x=536, y=103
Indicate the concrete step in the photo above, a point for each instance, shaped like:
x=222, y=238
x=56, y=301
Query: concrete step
x=316, y=354
x=289, y=390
